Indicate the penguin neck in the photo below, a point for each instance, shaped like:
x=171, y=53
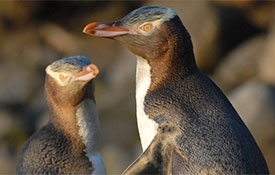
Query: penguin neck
x=147, y=127
x=88, y=124
x=64, y=119
x=89, y=130
x=78, y=123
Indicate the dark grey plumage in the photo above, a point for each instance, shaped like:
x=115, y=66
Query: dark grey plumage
x=199, y=131
x=62, y=146
x=49, y=151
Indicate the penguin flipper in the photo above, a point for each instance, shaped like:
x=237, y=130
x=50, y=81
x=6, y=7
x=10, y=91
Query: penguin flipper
x=141, y=165
x=160, y=157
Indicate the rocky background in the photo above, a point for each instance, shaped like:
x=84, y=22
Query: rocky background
x=234, y=44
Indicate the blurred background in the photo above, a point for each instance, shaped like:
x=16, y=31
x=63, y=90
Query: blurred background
x=234, y=43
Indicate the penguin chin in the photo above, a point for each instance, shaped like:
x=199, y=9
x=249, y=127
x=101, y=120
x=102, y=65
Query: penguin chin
x=137, y=48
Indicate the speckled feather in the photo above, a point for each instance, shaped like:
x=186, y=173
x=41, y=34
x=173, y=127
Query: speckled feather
x=49, y=151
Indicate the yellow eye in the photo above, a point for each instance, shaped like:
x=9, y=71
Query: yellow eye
x=63, y=77
x=147, y=27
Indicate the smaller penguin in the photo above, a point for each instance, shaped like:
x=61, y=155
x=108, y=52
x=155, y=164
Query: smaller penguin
x=68, y=143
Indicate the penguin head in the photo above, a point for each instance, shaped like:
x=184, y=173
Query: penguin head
x=69, y=80
x=148, y=31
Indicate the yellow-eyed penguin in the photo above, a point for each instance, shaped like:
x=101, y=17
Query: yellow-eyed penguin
x=68, y=143
x=185, y=122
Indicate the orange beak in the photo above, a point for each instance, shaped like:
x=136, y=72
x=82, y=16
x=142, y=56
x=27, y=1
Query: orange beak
x=88, y=73
x=107, y=30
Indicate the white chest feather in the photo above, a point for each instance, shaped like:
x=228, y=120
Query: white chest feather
x=89, y=130
x=147, y=127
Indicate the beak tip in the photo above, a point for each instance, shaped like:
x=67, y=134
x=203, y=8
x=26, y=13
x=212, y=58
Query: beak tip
x=84, y=30
x=89, y=28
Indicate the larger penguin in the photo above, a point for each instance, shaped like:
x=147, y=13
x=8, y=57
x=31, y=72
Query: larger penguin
x=186, y=124
x=68, y=143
